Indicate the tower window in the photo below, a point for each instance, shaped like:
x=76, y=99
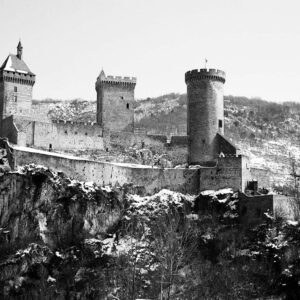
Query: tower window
x=258, y=212
x=220, y=124
x=122, y=97
x=15, y=89
x=15, y=98
x=127, y=105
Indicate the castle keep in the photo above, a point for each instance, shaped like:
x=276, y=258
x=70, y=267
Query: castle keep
x=115, y=102
x=16, y=83
x=205, y=145
x=205, y=112
x=205, y=119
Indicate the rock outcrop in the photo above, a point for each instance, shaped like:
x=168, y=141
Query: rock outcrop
x=36, y=203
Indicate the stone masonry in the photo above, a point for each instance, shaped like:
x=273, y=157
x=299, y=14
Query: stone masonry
x=115, y=102
x=16, y=82
x=205, y=113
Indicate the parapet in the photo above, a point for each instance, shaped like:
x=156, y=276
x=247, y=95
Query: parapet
x=116, y=80
x=212, y=74
x=225, y=156
x=17, y=77
x=76, y=123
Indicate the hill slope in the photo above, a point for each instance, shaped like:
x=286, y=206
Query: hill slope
x=269, y=133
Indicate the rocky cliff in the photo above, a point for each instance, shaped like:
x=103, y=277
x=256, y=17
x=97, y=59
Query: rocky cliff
x=64, y=239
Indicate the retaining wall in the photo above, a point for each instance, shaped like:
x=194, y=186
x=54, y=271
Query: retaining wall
x=103, y=173
x=230, y=171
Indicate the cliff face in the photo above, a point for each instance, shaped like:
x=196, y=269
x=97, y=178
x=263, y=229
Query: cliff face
x=63, y=239
x=47, y=224
x=38, y=204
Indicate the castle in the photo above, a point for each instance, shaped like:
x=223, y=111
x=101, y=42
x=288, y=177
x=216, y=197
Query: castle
x=115, y=114
x=218, y=161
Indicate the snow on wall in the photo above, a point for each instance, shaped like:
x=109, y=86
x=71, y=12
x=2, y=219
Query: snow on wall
x=104, y=173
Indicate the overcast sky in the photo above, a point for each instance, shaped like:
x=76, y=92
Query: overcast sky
x=67, y=42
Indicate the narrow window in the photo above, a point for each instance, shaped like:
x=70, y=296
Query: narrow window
x=86, y=133
x=127, y=105
x=122, y=97
x=15, y=89
x=258, y=212
x=203, y=141
x=244, y=211
x=75, y=132
x=220, y=124
x=15, y=98
x=66, y=132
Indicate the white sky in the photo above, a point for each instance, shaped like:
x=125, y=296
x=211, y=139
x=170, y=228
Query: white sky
x=66, y=42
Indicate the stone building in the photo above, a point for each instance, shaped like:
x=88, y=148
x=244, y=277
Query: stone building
x=205, y=145
x=115, y=102
x=205, y=116
x=16, y=83
x=24, y=127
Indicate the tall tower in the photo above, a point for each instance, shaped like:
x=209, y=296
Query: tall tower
x=205, y=113
x=16, y=83
x=115, y=102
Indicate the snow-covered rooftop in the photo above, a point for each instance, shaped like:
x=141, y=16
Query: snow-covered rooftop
x=15, y=64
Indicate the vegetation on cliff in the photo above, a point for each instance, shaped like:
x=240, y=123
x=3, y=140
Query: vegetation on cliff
x=63, y=239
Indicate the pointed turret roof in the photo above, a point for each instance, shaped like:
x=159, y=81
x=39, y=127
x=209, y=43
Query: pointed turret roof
x=14, y=64
x=102, y=74
x=19, y=44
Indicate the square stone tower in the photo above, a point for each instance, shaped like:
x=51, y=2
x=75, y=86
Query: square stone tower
x=115, y=102
x=16, y=83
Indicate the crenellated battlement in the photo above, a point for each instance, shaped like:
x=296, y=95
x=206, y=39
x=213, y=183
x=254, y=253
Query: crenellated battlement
x=226, y=156
x=116, y=80
x=17, y=77
x=212, y=74
x=76, y=123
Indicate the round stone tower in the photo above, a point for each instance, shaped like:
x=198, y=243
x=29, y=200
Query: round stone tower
x=205, y=113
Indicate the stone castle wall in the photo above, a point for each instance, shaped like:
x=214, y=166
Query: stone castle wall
x=16, y=101
x=230, y=171
x=68, y=136
x=104, y=173
x=61, y=135
x=252, y=209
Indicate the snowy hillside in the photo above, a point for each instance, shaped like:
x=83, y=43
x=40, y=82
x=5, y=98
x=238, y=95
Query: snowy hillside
x=269, y=133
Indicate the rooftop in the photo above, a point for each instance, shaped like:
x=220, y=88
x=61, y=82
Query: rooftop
x=14, y=64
